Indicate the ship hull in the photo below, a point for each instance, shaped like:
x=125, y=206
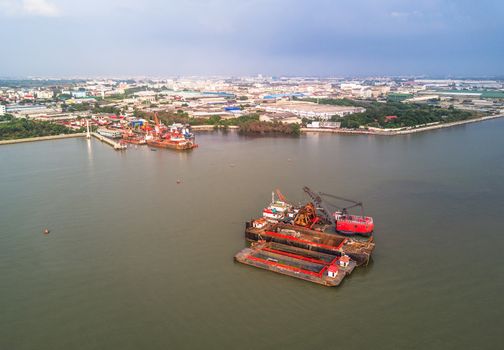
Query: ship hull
x=134, y=141
x=171, y=145
x=355, y=233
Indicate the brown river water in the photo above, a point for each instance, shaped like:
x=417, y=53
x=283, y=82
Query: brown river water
x=135, y=260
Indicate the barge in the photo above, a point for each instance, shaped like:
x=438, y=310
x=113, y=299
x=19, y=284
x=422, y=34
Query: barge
x=324, y=269
x=306, y=241
x=359, y=250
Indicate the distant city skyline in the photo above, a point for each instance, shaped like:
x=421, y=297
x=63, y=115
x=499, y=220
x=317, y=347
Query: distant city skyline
x=55, y=38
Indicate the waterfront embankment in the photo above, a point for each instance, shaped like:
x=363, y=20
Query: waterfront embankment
x=41, y=138
x=116, y=145
x=410, y=130
x=212, y=127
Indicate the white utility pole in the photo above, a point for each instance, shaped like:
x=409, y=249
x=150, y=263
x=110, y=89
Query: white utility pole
x=88, y=134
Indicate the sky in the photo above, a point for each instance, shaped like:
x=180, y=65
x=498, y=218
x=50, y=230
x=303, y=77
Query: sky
x=66, y=38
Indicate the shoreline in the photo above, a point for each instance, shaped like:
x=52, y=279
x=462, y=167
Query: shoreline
x=212, y=127
x=41, y=138
x=303, y=130
x=402, y=132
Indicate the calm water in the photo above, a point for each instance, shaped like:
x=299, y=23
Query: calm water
x=136, y=261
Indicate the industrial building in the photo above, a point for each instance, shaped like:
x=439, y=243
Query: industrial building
x=312, y=110
x=26, y=109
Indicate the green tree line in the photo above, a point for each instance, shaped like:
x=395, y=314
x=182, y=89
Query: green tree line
x=23, y=128
x=407, y=114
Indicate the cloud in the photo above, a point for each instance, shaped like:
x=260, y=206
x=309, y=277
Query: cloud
x=251, y=36
x=399, y=14
x=42, y=8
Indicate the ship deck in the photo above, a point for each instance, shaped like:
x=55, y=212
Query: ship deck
x=359, y=249
x=295, y=262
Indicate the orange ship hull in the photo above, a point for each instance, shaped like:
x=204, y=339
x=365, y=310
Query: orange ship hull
x=177, y=145
x=134, y=141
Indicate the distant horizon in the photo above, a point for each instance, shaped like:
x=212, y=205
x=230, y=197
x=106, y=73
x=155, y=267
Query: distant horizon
x=217, y=76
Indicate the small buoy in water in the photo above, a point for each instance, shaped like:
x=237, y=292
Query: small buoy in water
x=179, y=182
x=46, y=231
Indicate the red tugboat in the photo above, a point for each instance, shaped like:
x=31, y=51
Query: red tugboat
x=353, y=225
x=345, y=223
x=348, y=224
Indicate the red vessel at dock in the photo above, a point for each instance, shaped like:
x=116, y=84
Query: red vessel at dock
x=177, y=137
x=344, y=223
x=308, y=241
x=353, y=225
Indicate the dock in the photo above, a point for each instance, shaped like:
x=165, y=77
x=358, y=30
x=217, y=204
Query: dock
x=117, y=146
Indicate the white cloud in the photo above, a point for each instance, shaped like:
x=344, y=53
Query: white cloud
x=40, y=8
x=43, y=8
x=398, y=14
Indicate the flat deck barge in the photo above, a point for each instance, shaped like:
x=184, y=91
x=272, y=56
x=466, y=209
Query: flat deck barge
x=324, y=269
x=359, y=249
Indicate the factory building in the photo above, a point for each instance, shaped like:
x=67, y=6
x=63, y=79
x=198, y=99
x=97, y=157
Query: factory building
x=312, y=110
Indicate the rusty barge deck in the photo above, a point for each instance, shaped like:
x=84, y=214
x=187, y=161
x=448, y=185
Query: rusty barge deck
x=324, y=269
x=358, y=249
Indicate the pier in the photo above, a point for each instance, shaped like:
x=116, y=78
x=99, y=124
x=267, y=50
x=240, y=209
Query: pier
x=117, y=146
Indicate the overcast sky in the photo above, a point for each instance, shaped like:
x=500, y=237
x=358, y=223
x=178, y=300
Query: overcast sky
x=239, y=37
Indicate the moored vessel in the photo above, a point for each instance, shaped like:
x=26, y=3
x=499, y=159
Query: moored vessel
x=314, y=267
x=287, y=238
x=177, y=136
x=131, y=137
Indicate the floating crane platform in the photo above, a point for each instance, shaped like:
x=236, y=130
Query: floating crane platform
x=305, y=241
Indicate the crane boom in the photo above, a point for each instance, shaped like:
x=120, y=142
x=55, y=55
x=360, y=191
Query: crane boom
x=355, y=203
x=340, y=198
x=281, y=196
x=320, y=205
